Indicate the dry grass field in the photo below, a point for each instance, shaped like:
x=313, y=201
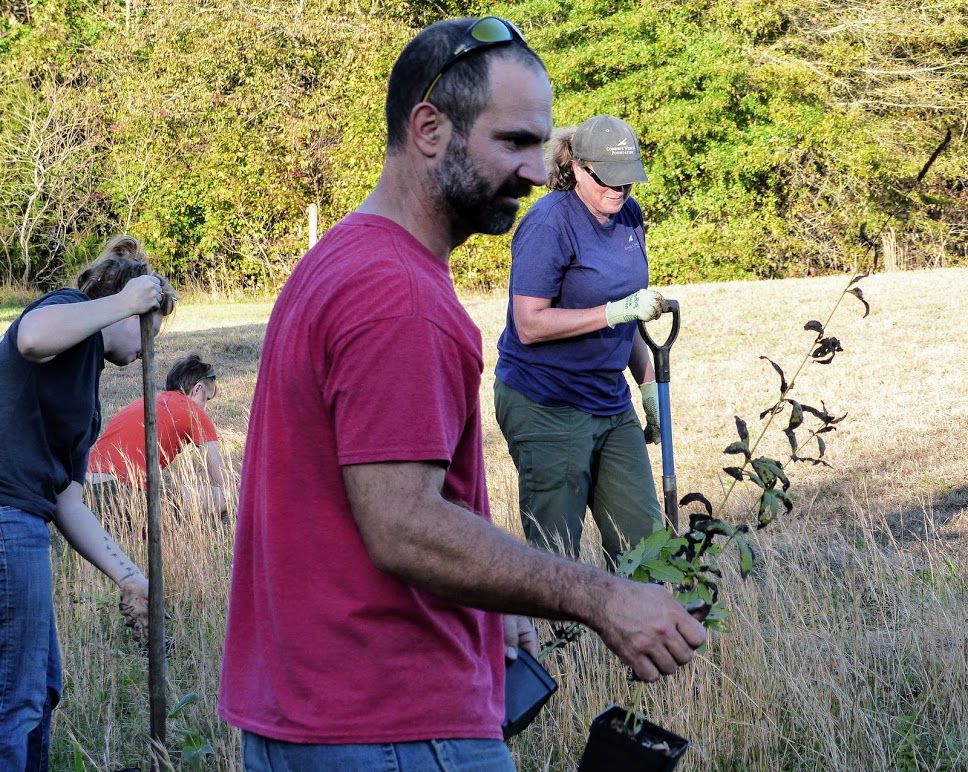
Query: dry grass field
x=847, y=648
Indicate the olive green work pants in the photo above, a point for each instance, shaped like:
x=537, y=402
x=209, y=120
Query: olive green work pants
x=568, y=460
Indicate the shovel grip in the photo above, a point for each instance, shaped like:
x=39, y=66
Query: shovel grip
x=660, y=352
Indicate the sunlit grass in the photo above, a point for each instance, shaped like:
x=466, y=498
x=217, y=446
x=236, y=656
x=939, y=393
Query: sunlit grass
x=847, y=648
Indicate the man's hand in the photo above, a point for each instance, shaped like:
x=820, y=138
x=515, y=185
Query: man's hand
x=645, y=305
x=134, y=604
x=519, y=633
x=142, y=294
x=648, y=629
x=650, y=401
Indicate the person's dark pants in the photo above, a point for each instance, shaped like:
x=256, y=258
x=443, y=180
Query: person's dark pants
x=568, y=460
x=30, y=668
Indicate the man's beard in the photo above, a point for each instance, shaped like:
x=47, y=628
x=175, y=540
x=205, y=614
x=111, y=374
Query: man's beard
x=472, y=205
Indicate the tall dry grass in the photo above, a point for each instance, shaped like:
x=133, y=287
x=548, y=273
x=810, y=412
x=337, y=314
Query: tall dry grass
x=847, y=648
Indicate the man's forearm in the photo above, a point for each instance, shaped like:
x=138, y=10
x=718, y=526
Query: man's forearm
x=412, y=532
x=453, y=553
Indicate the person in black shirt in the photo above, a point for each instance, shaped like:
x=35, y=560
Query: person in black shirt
x=51, y=359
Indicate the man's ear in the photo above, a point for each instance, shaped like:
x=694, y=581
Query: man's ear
x=429, y=130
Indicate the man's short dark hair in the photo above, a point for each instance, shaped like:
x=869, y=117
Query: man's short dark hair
x=188, y=371
x=461, y=93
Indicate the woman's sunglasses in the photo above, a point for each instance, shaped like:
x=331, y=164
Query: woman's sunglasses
x=598, y=180
x=483, y=33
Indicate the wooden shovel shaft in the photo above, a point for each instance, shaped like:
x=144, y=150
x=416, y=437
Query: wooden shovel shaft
x=156, y=591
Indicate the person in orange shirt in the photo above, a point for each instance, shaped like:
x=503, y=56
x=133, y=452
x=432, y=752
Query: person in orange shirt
x=118, y=457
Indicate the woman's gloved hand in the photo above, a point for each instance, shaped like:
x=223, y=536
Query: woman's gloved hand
x=650, y=401
x=644, y=304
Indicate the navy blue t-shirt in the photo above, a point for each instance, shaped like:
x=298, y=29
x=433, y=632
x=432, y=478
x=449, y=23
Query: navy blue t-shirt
x=50, y=415
x=560, y=251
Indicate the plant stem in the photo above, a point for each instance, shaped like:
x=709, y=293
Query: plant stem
x=783, y=395
x=636, y=700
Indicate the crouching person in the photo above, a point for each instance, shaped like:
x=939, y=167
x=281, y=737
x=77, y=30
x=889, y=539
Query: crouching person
x=117, y=464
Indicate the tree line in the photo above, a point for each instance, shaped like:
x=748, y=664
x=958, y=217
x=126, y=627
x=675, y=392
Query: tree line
x=772, y=129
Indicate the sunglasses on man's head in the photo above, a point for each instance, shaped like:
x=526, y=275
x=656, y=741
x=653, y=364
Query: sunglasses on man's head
x=483, y=33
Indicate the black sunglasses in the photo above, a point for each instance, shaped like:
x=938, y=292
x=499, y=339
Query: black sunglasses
x=598, y=180
x=483, y=33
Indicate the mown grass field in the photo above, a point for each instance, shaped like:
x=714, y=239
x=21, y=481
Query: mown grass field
x=848, y=647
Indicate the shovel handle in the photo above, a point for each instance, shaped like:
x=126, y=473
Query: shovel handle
x=660, y=352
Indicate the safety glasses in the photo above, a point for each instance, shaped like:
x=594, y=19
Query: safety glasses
x=483, y=33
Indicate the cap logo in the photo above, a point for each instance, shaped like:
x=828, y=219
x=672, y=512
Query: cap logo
x=620, y=149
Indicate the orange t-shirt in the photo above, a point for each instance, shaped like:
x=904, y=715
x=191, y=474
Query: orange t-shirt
x=120, y=450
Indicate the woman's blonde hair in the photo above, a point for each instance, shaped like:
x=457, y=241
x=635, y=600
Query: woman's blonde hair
x=558, y=158
x=122, y=259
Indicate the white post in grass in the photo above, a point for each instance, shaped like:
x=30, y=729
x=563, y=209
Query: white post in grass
x=313, y=225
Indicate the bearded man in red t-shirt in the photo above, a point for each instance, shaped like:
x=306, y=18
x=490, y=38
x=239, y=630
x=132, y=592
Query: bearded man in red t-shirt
x=372, y=602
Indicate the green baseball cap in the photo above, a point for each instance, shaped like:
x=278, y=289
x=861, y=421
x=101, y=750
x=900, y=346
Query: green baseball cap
x=610, y=145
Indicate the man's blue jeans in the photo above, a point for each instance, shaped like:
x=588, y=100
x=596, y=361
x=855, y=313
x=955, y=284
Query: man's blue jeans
x=30, y=671
x=264, y=755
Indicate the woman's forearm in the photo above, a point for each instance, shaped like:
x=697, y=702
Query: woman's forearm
x=47, y=331
x=85, y=534
x=640, y=362
x=536, y=321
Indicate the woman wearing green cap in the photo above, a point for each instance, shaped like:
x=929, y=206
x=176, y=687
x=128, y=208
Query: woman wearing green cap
x=579, y=278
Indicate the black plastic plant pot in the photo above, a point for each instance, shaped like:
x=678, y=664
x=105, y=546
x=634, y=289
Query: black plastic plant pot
x=613, y=747
x=527, y=687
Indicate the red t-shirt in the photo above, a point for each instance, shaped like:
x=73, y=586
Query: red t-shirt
x=120, y=450
x=368, y=357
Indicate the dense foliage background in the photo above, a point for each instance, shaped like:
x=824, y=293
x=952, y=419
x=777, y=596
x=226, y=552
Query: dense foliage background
x=773, y=128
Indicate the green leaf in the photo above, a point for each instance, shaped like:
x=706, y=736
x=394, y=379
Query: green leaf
x=738, y=447
x=745, y=557
x=682, y=564
x=691, y=498
x=787, y=503
x=673, y=547
x=859, y=294
x=735, y=472
x=741, y=429
x=767, y=470
x=796, y=414
x=647, y=549
x=661, y=571
x=775, y=410
x=783, y=383
x=78, y=757
x=710, y=525
x=822, y=446
x=189, y=699
x=768, y=508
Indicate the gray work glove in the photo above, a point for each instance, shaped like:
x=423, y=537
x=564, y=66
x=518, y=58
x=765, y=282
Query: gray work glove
x=650, y=401
x=644, y=305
